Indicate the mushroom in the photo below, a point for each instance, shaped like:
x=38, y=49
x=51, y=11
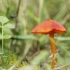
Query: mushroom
x=50, y=27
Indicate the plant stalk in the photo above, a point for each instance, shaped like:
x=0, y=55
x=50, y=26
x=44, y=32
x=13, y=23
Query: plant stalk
x=2, y=38
x=53, y=49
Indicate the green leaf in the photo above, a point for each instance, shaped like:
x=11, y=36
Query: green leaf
x=3, y=19
x=25, y=37
x=61, y=13
x=1, y=68
x=30, y=13
x=39, y=58
x=43, y=40
x=9, y=25
x=0, y=26
x=5, y=36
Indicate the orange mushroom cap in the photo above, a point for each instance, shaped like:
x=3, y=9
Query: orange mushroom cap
x=49, y=26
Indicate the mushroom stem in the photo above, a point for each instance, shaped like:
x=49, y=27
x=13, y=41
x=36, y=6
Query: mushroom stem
x=53, y=49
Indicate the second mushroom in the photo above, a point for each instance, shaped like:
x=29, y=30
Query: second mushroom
x=50, y=27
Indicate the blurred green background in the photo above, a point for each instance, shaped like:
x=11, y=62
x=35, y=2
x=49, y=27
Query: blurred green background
x=24, y=50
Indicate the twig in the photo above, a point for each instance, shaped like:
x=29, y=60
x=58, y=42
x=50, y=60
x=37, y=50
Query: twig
x=35, y=54
x=17, y=13
x=16, y=24
x=60, y=67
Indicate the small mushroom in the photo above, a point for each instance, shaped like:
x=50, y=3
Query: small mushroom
x=50, y=27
